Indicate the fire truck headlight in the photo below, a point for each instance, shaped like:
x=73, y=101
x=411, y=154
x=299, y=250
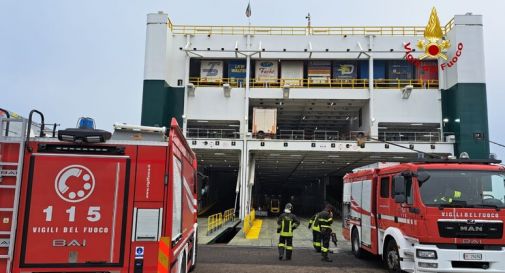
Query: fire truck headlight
x=426, y=254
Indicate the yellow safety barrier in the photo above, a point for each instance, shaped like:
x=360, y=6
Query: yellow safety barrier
x=247, y=225
x=217, y=221
x=229, y=215
x=318, y=83
x=214, y=222
x=253, y=215
x=248, y=222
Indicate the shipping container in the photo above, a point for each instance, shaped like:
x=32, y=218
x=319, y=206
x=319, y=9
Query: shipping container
x=266, y=71
x=292, y=73
x=236, y=72
x=400, y=70
x=379, y=69
x=345, y=70
x=319, y=72
x=264, y=122
x=427, y=71
x=211, y=71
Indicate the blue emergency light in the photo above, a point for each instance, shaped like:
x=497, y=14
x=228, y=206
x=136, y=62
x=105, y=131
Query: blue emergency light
x=86, y=123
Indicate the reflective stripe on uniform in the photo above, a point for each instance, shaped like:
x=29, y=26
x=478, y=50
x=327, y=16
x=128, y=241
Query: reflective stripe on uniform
x=325, y=223
x=324, y=249
x=289, y=247
x=280, y=245
x=317, y=243
x=457, y=194
x=315, y=224
x=286, y=231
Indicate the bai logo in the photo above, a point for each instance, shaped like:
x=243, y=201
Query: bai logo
x=64, y=243
x=74, y=183
x=434, y=45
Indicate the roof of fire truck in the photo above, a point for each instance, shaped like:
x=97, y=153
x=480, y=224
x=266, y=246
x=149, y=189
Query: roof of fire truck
x=428, y=164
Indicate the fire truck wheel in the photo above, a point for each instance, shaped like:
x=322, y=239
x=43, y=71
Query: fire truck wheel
x=356, y=249
x=392, y=257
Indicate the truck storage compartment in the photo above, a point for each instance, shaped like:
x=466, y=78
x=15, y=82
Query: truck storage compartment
x=76, y=207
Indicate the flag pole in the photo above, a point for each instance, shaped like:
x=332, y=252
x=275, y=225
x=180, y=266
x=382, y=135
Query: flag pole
x=248, y=14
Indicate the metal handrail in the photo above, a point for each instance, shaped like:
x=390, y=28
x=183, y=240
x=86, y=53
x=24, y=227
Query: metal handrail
x=214, y=222
x=228, y=215
x=212, y=133
x=303, y=30
x=8, y=115
x=450, y=25
x=325, y=135
x=297, y=30
x=291, y=134
x=203, y=81
x=401, y=83
x=29, y=127
x=316, y=83
x=332, y=135
x=430, y=136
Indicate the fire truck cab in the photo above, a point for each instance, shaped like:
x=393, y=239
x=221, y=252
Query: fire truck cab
x=85, y=200
x=428, y=216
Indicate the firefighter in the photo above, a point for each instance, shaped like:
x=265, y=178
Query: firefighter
x=324, y=220
x=287, y=222
x=448, y=196
x=316, y=232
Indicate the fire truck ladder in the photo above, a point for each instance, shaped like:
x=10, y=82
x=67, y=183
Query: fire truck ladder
x=7, y=137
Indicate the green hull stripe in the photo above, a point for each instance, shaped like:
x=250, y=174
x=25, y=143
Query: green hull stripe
x=161, y=102
x=467, y=102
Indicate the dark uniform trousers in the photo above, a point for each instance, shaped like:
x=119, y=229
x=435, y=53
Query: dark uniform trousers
x=325, y=221
x=286, y=242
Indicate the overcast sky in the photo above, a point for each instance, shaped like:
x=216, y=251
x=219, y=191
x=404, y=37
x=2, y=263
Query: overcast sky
x=70, y=58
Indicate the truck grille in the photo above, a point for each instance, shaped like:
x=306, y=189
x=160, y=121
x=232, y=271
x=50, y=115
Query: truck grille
x=470, y=229
x=458, y=264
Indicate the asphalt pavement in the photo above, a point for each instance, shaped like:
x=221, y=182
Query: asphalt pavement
x=223, y=258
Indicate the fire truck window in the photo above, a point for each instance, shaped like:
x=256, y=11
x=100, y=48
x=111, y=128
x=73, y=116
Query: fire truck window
x=409, y=191
x=177, y=199
x=385, y=187
x=464, y=188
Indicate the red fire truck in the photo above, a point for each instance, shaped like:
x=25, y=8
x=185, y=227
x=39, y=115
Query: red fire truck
x=428, y=216
x=89, y=201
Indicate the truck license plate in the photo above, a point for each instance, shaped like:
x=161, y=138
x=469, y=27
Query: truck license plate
x=472, y=256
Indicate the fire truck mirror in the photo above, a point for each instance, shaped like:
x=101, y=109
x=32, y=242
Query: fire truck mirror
x=422, y=176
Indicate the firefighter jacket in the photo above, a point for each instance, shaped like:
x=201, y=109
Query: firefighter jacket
x=287, y=223
x=313, y=223
x=324, y=221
